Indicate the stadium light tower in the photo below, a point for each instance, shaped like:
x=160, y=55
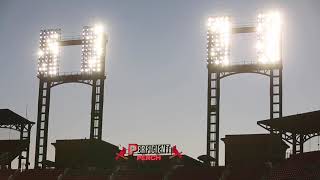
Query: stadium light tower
x=48, y=64
x=92, y=49
x=219, y=30
x=269, y=38
x=268, y=62
x=92, y=72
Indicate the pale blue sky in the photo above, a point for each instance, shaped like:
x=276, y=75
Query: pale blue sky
x=156, y=73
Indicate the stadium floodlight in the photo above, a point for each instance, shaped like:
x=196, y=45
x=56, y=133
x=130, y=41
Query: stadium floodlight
x=219, y=31
x=92, y=49
x=49, y=52
x=269, y=38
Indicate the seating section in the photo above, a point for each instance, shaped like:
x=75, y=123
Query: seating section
x=41, y=174
x=4, y=174
x=304, y=166
x=252, y=172
x=86, y=178
x=78, y=174
x=199, y=173
x=131, y=174
x=300, y=166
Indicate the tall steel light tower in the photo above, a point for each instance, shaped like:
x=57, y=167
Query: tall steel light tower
x=268, y=63
x=93, y=42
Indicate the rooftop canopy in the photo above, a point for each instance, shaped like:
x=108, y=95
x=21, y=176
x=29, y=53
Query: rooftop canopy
x=305, y=123
x=8, y=117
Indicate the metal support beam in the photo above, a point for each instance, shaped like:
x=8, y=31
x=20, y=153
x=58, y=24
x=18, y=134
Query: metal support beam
x=97, y=109
x=25, y=136
x=294, y=144
x=72, y=42
x=215, y=75
x=301, y=142
x=28, y=150
x=42, y=123
x=213, y=116
x=45, y=85
x=275, y=93
x=248, y=29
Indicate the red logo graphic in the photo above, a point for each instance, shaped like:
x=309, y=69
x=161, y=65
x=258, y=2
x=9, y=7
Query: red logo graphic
x=149, y=158
x=175, y=152
x=132, y=148
x=149, y=152
x=121, y=154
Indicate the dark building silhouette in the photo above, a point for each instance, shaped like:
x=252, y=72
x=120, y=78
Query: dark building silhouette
x=79, y=153
x=254, y=149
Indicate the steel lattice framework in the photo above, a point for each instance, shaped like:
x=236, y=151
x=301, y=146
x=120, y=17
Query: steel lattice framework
x=22, y=125
x=219, y=67
x=295, y=129
x=93, y=42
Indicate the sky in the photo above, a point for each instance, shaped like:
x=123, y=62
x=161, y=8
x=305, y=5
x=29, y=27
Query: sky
x=156, y=85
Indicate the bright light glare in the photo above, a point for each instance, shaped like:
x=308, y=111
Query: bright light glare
x=40, y=53
x=269, y=37
x=53, y=47
x=92, y=48
x=219, y=30
x=48, y=52
x=98, y=28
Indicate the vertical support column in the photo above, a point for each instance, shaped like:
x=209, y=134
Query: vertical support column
x=301, y=142
x=275, y=93
x=97, y=109
x=25, y=136
x=42, y=123
x=294, y=143
x=213, y=115
x=100, y=90
x=22, y=126
x=28, y=148
x=93, y=134
x=298, y=143
x=280, y=91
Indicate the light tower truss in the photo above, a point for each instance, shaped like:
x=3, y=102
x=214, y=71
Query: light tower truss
x=93, y=45
x=269, y=63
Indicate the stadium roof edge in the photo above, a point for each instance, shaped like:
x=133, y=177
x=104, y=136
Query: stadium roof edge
x=304, y=123
x=8, y=117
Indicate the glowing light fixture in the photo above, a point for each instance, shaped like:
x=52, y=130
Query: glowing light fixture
x=93, y=39
x=48, y=52
x=219, y=31
x=269, y=38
